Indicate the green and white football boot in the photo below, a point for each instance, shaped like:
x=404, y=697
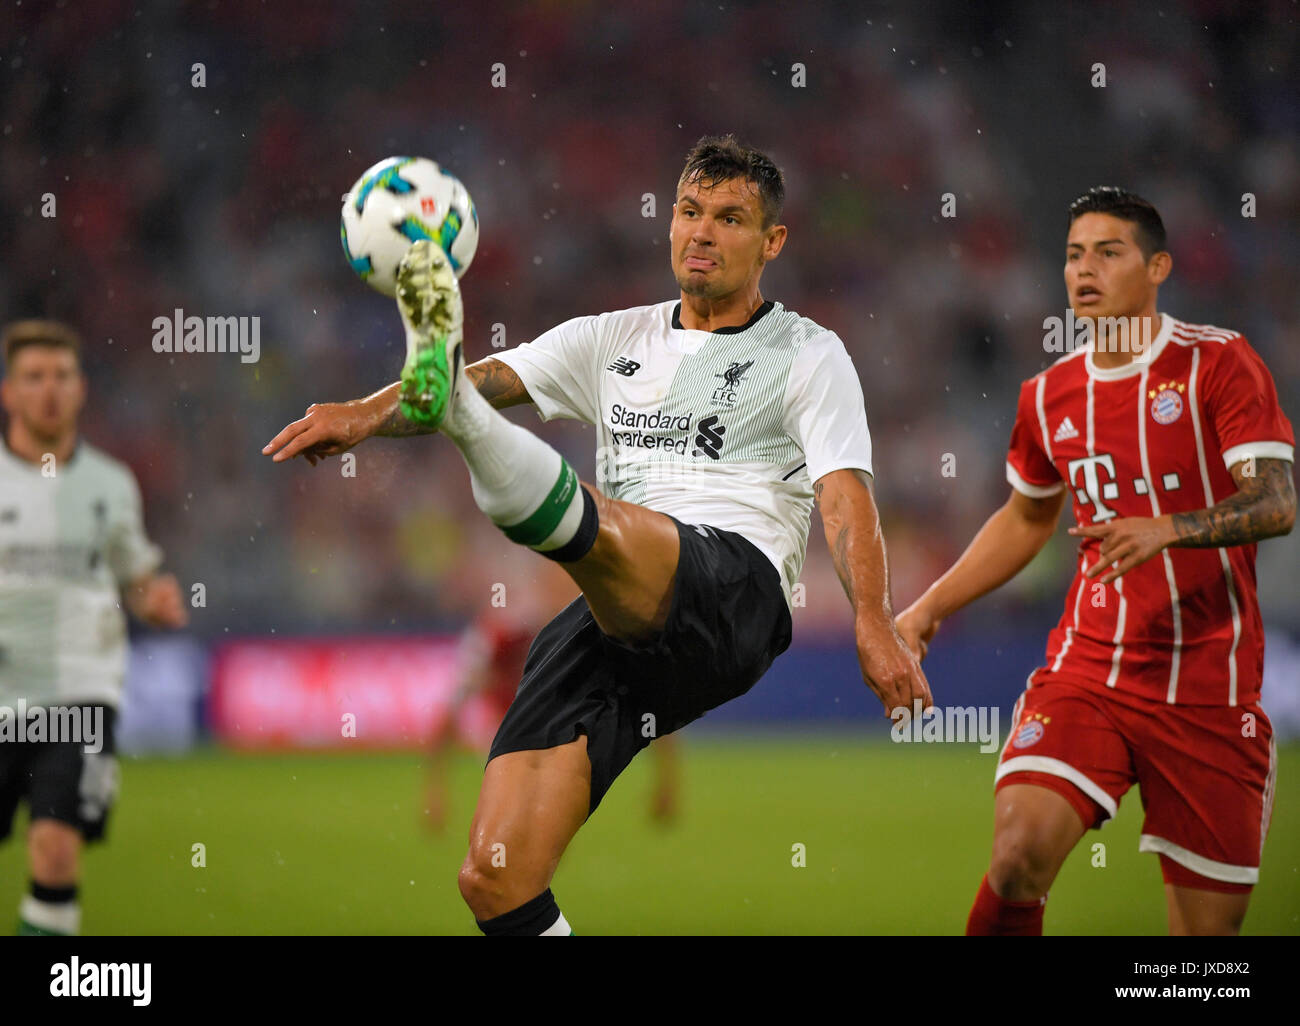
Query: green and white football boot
x=428, y=297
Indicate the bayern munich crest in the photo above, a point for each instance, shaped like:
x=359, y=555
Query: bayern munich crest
x=1167, y=402
x=1030, y=734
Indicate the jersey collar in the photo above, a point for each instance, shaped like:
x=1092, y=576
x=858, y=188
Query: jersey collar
x=36, y=467
x=1133, y=367
x=733, y=329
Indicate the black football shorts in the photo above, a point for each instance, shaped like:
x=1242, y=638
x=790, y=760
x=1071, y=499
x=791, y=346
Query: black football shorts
x=728, y=621
x=59, y=779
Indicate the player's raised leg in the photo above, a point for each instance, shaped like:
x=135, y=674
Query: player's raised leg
x=1034, y=829
x=622, y=556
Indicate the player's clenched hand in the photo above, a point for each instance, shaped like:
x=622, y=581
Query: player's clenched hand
x=1126, y=543
x=917, y=627
x=157, y=602
x=327, y=429
x=890, y=669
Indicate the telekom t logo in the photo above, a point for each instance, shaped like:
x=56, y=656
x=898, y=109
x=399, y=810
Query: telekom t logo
x=1092, y=486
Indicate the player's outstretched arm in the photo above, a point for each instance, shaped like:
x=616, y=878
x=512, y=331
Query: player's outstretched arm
x=857, y=547
x=328, y=429
x=1262, y=507
x=1006, y=543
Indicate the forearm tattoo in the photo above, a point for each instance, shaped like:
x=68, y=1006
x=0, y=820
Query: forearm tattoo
x=1264, y=506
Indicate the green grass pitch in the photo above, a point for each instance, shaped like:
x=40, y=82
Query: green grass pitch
x=895, y=840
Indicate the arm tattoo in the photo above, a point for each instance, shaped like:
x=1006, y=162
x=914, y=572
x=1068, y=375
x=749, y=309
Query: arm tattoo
x=861, y=475
x=496, y=383
x=1264, y=506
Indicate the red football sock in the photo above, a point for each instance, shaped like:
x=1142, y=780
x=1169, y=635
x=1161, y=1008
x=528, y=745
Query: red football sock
x=992, y=916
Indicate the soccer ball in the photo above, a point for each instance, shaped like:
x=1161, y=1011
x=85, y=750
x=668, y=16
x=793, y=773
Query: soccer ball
x=397, y=203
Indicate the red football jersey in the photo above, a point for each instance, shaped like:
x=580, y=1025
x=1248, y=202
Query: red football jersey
x=1154, y=437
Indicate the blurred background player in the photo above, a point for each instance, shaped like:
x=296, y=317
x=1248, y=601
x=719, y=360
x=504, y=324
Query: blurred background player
x=491, y=664
x=1170, y=442
x=72, y=545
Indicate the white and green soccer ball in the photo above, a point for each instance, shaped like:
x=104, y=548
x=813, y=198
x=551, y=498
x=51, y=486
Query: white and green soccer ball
x=397, y=203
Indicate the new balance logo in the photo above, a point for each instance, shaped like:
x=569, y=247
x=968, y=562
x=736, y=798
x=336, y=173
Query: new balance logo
x=624, y=366
x=1065, y=430
x=709, y=441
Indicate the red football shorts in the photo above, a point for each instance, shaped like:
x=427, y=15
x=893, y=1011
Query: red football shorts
x=1205, y=773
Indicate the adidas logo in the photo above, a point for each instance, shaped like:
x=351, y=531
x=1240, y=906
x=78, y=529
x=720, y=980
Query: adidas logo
x=1065, y=430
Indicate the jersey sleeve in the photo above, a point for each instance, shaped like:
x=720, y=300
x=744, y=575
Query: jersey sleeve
x=1240, y=402
x=559, y=369
x=130, y=553
x=824, y=410
x=1029, y=470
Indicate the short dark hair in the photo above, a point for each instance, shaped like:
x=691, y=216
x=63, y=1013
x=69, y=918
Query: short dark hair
x=21, y=334
x=719, y=158
x=1148, y=230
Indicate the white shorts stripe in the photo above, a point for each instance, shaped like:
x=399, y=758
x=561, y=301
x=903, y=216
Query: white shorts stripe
x=1057, y=768
x=1199, y=863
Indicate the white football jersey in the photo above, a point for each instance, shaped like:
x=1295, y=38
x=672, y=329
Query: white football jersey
x=69, y=541
x=729, y=428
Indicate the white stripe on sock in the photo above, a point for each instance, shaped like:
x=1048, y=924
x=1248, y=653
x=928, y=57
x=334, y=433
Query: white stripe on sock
x=567, y=527
x=559, y=928
x=511, y=470
x=64, y=917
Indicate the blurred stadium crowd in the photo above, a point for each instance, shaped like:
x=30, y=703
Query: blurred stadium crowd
x=223, y=200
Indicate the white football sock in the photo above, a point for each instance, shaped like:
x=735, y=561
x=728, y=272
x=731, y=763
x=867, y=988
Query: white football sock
x=559, y=928
x=523, y=485
x=63, y=917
